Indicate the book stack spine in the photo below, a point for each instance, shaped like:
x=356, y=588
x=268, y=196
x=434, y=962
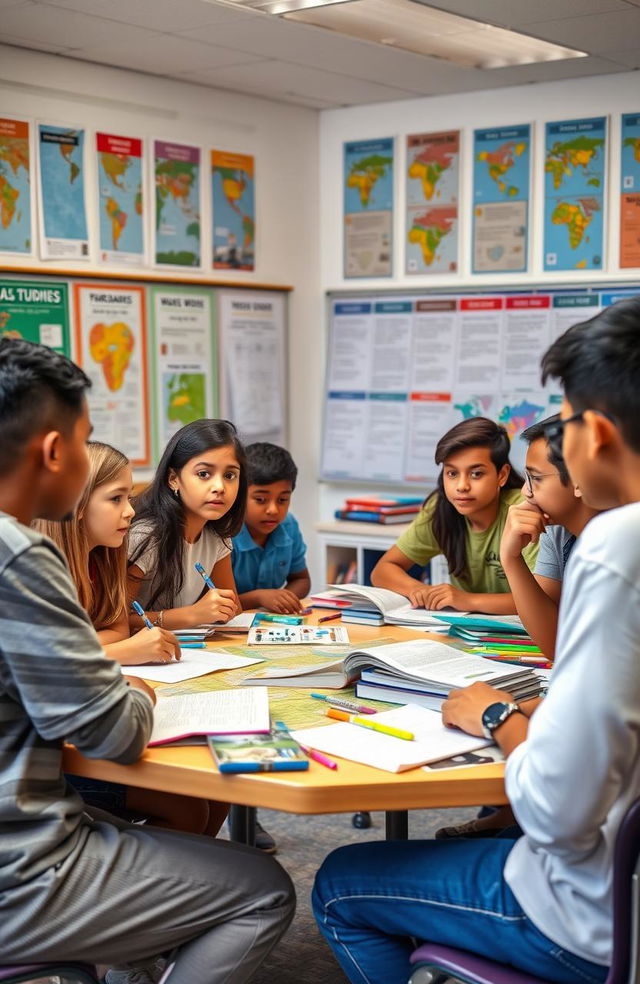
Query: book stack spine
x=401, y=509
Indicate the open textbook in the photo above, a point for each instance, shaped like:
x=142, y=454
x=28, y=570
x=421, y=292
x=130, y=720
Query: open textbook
x=394, y=607
x=433, y=666
x=215, y=712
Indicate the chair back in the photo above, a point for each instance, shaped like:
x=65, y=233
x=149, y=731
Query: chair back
x=625, y=896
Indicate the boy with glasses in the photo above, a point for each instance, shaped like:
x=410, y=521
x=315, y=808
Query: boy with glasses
x=543, y=903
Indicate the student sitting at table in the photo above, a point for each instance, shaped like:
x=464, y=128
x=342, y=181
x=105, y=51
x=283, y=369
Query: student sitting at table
x=77, y=884
x=93, y=541
x=462, y=519
x=543, y=903
x=268, y=558
x=187, y=515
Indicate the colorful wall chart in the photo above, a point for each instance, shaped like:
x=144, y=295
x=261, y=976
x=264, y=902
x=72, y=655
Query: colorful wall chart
x=630, y=190
x=120, y=199
x=62, y=211
x=36, y=311
x=574, y=183
x=15, y=187
x=501, y=180
x=176, y=169
x=234, y=216
x=111, y=347
x=368, y=208
x=432, y=192
x=185, y=378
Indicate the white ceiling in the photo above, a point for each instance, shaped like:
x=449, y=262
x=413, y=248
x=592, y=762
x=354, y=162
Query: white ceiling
x=216, y=44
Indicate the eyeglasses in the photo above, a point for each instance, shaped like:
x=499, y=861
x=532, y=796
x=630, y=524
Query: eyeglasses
x=531, y=480
x=554, y=432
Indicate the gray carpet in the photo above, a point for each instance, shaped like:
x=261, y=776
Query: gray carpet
x=302, y=957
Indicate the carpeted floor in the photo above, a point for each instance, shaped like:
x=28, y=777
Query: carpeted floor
x=303, y=842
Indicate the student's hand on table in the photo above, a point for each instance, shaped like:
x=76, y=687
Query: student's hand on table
x=433, y=597
x=464, y=708
x=525, y=522
x=279, y=600
x=151, y=646
x=141, y=685
x=215, y=606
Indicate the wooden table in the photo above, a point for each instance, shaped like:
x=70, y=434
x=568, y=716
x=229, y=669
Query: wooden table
x=351, y=788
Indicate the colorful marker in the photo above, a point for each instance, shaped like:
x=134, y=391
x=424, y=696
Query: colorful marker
x=330, y=618
x=281, y=619
x=319, y=757
x=384, y=729
x=192, y=645
x=139, y=610
x=347, y=705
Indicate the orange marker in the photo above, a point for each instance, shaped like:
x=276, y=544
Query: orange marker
x=333, y=712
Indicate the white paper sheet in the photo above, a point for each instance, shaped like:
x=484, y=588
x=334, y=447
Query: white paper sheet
x=225, y=712
x=194, y=663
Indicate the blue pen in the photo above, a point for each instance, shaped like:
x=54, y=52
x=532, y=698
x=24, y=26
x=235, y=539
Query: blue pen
x=205, y=577
x=139, y=610
x=192, y=645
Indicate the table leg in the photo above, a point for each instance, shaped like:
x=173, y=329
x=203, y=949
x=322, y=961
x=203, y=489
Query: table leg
x=242, y=824
x=396, y=824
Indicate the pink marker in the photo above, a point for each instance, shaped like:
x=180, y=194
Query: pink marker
x=319, y=757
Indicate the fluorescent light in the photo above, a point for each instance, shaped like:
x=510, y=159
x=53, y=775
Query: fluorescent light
x=414, y=26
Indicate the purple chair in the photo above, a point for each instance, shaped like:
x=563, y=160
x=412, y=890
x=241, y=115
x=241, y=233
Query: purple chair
x=434, y=964
x=64, y=972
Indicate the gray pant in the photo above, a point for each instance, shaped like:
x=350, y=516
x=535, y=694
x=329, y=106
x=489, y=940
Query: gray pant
x=127, y=893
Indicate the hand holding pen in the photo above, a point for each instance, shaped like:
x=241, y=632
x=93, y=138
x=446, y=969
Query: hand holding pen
x=217, y=605
x=150, y=645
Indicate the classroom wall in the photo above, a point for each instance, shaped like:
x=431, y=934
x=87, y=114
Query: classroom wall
x=606, y=95
x=284, y=140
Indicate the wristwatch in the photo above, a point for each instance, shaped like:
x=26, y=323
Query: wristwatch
x=495, y=715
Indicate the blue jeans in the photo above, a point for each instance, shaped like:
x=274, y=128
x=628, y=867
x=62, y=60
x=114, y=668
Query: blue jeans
x=376, y=902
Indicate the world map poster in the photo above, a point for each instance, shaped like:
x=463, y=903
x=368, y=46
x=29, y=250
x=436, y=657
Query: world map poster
x=185, y=375
x=63, y=215
x=501, y=179
x=629, y=190
x=111, y=347
x=15, y=187
x=368, y=208
x=120, y=199
x=432, y=184
x=234, y=212
x=574, y=189
x=176, y=169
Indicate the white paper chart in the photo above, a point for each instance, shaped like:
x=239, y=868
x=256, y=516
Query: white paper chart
x=402, y=370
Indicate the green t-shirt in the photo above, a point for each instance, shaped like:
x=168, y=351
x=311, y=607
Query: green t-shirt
x=486, y=575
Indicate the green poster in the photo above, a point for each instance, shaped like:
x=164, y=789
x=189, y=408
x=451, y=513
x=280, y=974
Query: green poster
x=36, y=311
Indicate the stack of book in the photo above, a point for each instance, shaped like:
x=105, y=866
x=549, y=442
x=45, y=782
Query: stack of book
x=372, y=509
x=366, y=605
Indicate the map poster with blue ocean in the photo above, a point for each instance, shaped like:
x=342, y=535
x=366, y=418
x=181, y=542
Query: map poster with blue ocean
x=629, y=190
x=120, y=199
x=501, y=181
x=432, y=181
x=368, y=208
x=176, y=170
x=63, y=214
x=575, y=157
x=234, y=210
x=15, y=187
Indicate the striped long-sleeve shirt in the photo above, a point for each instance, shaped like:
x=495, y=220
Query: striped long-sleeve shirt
x=56, y=685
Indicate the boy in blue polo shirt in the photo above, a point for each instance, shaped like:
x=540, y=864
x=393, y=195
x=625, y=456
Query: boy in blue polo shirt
x=268, y=555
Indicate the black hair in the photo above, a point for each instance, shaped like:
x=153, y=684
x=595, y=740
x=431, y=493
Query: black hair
x=598, y=363
x=449, y=526
x=163, y=512
x=269, y=463
x=538, y=432
x=39, y=389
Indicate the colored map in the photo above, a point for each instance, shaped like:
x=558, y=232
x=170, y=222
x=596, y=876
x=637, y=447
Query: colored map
x=111, y=346
x=62, y=182
x=581, y=155
x=500, y=162
x=429, y=233
x=15, y=192
x=577, y=218
x=368, y=175
x=630, y=153
x=177, y=182
x=474, y=406
x=433, y=167
x=634, y=144
x=120, y=183
x=233, y=190
x=518, y=417
x=185, y=398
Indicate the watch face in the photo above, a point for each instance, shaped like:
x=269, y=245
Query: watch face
x=494, y=715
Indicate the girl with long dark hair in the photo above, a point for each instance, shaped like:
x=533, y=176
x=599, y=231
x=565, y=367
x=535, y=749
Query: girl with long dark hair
x=463, y=519
x=188, y=515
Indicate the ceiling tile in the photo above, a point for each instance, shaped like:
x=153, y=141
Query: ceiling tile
x=595, y=32
x=555, y=71
x=166, y=55
x=627, y=59
x=511, y=13
x=30, y=45
x=158, y=15
x=64, y=27
x=14, y=3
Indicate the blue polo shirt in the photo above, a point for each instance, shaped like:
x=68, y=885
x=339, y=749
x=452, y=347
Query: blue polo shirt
x=256, y=567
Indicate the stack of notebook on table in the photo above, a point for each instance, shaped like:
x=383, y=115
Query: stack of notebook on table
x=498, y=637
x=363, y=604
x=372, y=509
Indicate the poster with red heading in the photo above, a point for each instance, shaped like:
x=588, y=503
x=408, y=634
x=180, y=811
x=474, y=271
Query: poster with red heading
x=120, y=199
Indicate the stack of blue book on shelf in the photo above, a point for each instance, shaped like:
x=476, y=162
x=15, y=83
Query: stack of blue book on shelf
x=373, y=509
